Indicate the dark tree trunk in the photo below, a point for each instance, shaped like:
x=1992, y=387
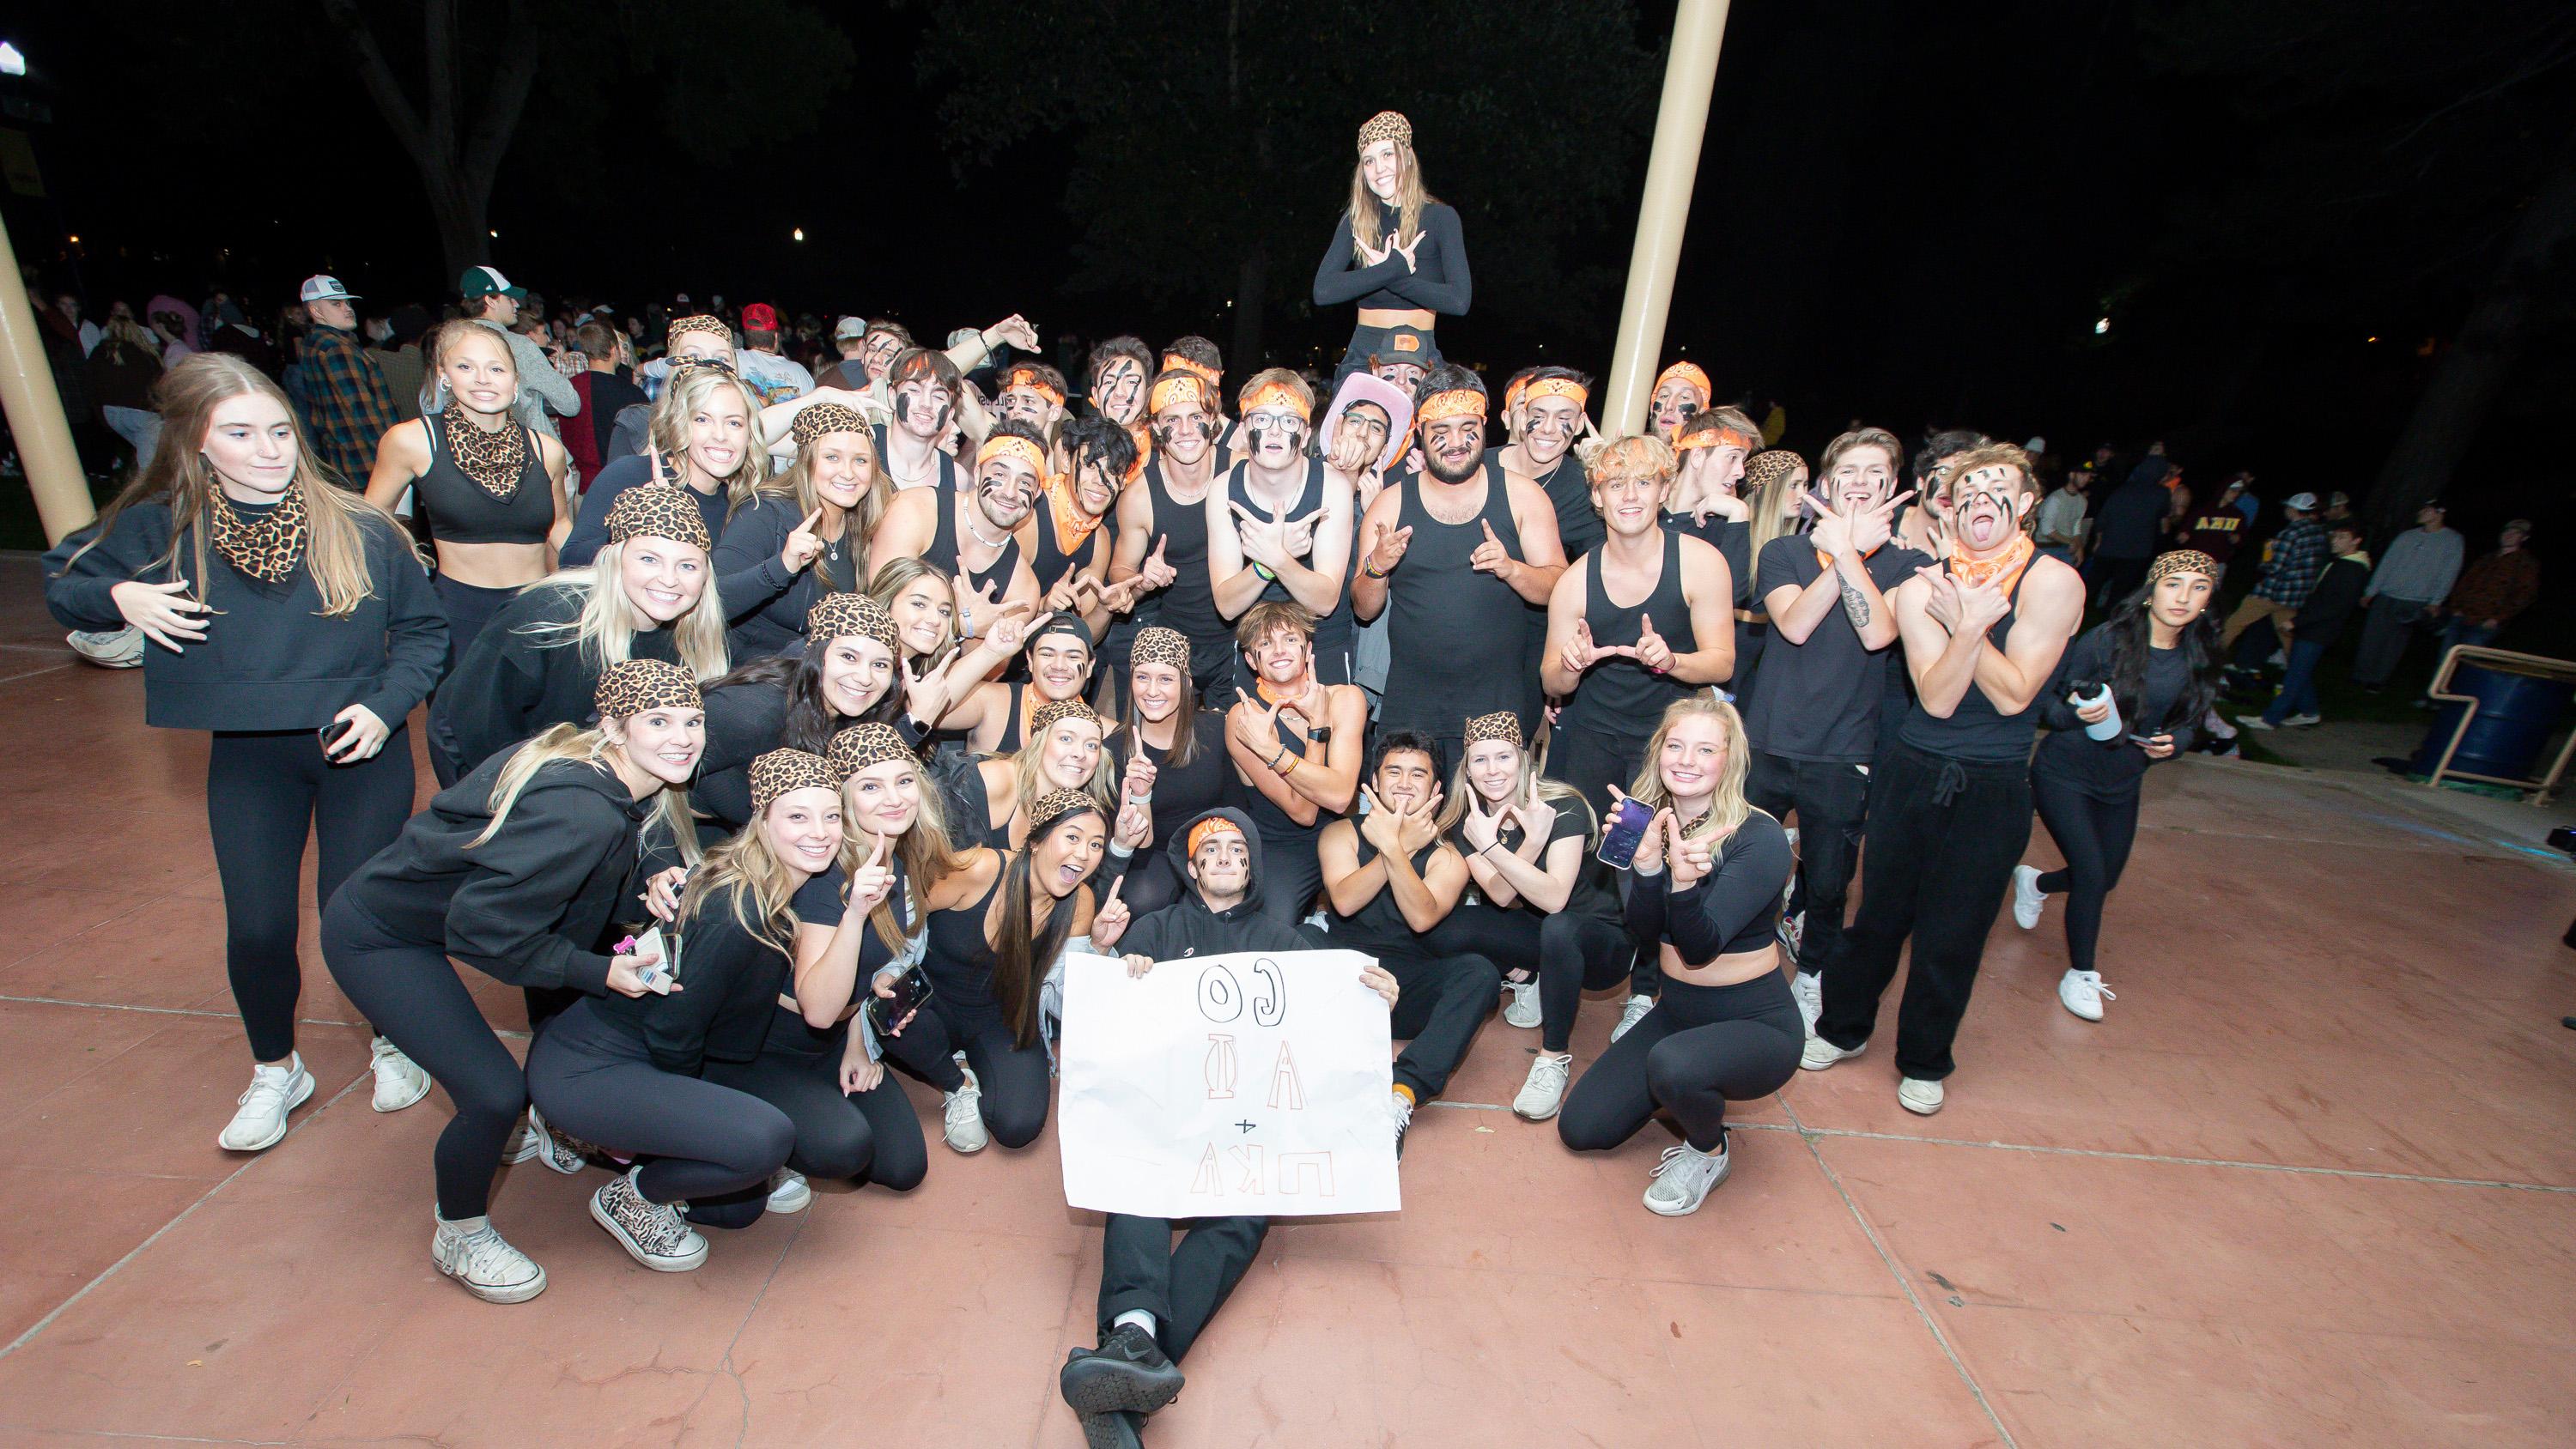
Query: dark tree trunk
x=1251, y=286
x=2470, y=374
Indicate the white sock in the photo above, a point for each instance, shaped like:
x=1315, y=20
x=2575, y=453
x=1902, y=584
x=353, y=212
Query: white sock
x=286, y=1068
x=1137, y=1316
x=465, y=1227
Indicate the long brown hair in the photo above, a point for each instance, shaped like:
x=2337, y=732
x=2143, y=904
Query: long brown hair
x=796, y=486
x=1410, y=198
x=749, y=870
x=181, y=477
x=1021, y=957
x=1185, y=718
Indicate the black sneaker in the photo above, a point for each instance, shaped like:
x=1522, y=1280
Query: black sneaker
x=1115, y=1430
x=1127, y=1372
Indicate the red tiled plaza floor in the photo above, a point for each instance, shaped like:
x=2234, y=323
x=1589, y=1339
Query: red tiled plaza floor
x=2313, y=1181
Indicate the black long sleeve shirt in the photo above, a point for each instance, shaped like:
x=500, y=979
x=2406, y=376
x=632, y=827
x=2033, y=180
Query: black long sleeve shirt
x=524, y=673
x=730, y=979
x=1438, y=279
x=1735, y=907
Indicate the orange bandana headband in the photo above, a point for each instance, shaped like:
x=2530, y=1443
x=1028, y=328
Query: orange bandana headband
x=1029, y=378
x=1006, y=446
x=1512, y=395
x=1689, y=372
x=1212, y=826
x=1458, y=402
x=1278, y=395
x=1565, y=387
x=1717, y=438
x=1190, y=391
x=1174, y=362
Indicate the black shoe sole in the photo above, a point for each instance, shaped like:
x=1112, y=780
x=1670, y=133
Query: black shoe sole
x=1096, y=1385
x=1110, y=1431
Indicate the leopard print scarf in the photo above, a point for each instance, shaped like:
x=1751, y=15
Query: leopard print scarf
x=493, y=460
x=266, y=546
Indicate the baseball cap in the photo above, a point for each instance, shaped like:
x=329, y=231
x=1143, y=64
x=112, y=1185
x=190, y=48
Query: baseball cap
x=849, y=327
x=759, y=317
x=2303, y=502
x=1409, y=344
x=323, y=287
x=2340, y=500
x=487, y=282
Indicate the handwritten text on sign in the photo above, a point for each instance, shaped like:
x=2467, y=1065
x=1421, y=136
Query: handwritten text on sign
x=1249, y=1083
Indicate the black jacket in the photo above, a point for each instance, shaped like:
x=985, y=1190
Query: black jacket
x=1189, y=928
x=520, y=676
x=527, y=905
x=730, y=979
x=2330, y=604
x=271, y=659
x=744, y=722
x=763, y=602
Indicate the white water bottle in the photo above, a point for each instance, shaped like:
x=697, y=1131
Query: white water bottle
x=2108, y=726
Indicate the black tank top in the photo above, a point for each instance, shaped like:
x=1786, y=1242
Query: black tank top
x=1380, y=926
x=943, y=550
x=461, y=511
x=1274, y=822
x=1051, y=563
x=947, y=469
x=958, y=960
x=1458, y=638
x=1333, y=630
x=1189, y=605
x=1184, y=792
x=1618, y=695
x=1976, y=730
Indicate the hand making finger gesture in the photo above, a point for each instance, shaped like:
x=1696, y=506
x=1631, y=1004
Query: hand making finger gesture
x=1157, y=571
x=1389, y=549
x=1012, y=627
x=1832, y=532
x=1257, y=726
x=1876, y=524
x=804, y=545
x=1420, y=825
x=1650, y=649
x=1382, y=825
x=1941, y=596
x=872, y=882
x=1490, y=556
x=1110, y=921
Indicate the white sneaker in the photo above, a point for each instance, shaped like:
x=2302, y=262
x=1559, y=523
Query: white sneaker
x=1684, y=1179
x=399, y=1080
x=535, y=1141
x=963, y=1111
x=1629, y=1015
x=2254, y=722
x=789, y=1192
x=1522, y=1011
x=2028, y=899
x=1792, y=932
x=2083, y=993
x=274, y=1092
x=108, y=648
x=652, y=1233
x=1918, y=1096
x=1809, y=989
x=1820, y=1054
x=484, y=1265
x=1544, y=1092
x=2304, y=720
x=1399, y=1115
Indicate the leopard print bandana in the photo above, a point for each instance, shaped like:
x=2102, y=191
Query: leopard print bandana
x=266, y=547
x=1055, y=805
x=852, y=616
x=632, y=686
x=859, y=746
x=493, y=460
x=779, y=771
x=1156, y=644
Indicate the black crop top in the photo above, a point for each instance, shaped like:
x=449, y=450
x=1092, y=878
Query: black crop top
x=1735, y=907
x=1437, y=279
x=460, y=510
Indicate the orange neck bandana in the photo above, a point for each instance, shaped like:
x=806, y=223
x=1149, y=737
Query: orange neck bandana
x=1073, y=527
x=2002, y=571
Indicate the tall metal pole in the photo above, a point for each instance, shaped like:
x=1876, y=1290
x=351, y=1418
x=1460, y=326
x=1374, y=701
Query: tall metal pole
x=35, y=409
x=1689, y=76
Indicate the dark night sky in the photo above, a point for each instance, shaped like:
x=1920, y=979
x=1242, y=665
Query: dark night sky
x=1908, y=212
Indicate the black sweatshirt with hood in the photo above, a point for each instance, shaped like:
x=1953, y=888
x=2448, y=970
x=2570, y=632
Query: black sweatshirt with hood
x=1188, y=928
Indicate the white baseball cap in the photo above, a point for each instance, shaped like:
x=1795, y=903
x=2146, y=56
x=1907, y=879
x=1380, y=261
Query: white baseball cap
x=322, y=287
x=849, y=327
x=2303, y=502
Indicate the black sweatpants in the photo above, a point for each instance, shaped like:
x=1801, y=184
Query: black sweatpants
x=1182, y=1285
x=1569, y=953
x=1151, y=883
x=1944, y=836
x=870, y=1136
x=1291, y=873
x=2094, y=835
x=263, y=792
x=1592, y=760
x=425, y=1009
x=1440, y=1001
x=1700, y=1047
x=1832, y=804
x=700, y=1140
x=1014, y=1079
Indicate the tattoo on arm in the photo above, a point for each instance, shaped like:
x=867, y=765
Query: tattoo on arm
x=1855, y=603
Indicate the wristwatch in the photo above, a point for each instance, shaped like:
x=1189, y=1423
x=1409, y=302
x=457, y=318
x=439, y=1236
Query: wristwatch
x=1321, y=734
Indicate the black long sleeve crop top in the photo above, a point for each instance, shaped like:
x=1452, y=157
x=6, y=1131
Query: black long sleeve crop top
x=1438, y=280
x=1735, y=907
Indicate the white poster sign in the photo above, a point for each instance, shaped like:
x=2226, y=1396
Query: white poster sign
x=1250, y=1083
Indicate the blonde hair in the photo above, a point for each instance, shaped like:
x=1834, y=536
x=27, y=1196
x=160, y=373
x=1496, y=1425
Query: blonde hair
x=335, y=552
x=900, y=574
x=605, y=627
x=570, y=742
x=926, y=852
x=796, y=487
x=1523, y=781
x=1637, y=457
x=763, y=891
x=444, y=338
x=688, y=389
x=1727, y=807
x=1024, y=773
x=1770, y=520
x=1410, y=198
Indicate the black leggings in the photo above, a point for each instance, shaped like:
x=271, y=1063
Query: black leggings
x=1440, y=1001
x=1013, y=1079
x=2094, y=835
x=263, y=791
x=1571, y=954
x=869, y=1136
x=1291, y=873
x=468, y=607
x=702, y=1141
x=1700, y=1046
x=425, y=1010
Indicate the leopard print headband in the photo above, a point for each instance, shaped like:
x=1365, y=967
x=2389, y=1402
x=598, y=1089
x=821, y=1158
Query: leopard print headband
x=859, y=746
x=1156, y=644
x=1500, y=725
x=657, y=510
x=823, y=418
x=1385, y=126
x=852, y=616
x=632, y=686
x=776, y=773
x=1055, y=805
x=1049, y=715
x=682, y=326
x=2181, y=561
x=1769, y=465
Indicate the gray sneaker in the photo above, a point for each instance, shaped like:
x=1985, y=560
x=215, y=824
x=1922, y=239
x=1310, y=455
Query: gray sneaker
x=108, y=648
x=651, y=1232
x=1523, y=1009
x=1684, y=1179
x=1632, y=1013
x=1544, y=1092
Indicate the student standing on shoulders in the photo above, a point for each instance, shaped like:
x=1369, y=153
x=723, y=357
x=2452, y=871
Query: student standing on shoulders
x=1949, y=803
x=1397, y=252
x=515, y=870
x=279, y=605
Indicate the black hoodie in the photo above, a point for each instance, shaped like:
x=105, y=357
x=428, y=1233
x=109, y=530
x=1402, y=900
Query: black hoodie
x=1189, y=928
x=527, y=671
x=527, y=905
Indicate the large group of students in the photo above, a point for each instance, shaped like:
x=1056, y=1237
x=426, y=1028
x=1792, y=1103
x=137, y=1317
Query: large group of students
x=810, y=739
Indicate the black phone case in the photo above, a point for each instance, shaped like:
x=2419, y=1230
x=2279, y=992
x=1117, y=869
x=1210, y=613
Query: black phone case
x=911, y=993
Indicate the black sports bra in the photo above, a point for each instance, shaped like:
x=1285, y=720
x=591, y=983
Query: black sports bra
x=460, y=510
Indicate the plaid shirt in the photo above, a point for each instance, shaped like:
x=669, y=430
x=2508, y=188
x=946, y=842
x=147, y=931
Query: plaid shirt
x=2298, y=561
x=351, y=402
